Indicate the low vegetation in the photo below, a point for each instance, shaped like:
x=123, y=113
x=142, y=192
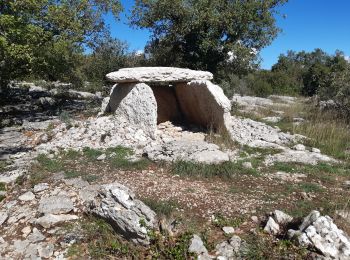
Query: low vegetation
x=162, y=208
x=99, y=240
x=224, y=170
x=66, y=162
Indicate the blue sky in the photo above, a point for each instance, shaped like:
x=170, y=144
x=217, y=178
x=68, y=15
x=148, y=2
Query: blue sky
x=309, y=24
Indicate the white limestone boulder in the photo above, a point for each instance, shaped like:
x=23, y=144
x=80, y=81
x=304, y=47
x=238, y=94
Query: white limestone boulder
x=135, y=104
x=203, y=103
x=157, y=74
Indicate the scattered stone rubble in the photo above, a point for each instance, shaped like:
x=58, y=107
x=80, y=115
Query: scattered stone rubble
x=234, y=248
x=315, y=232
x=40, y=213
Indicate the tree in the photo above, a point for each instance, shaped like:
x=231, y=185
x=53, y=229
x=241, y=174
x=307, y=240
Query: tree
x=45, y=37
x=108, y=55
x=200, y=34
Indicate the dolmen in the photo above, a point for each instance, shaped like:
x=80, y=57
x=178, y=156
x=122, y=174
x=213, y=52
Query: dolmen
x=147, y=96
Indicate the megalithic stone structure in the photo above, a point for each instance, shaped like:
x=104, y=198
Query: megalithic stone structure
x=146, y=96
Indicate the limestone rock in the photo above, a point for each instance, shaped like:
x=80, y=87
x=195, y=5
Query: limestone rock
x=252, y=101
x=328, y=239
x=228, y=230
x=272, y=227
x=36, y=236
x=303, y=157
x=55, y=205
x=102, y=157
x=235, y=248
x=281, y=218
x=50, y=220
x=197, y=246
x=128, y=216
x=257, y=134
x=194, y=151
x=157, y=74
x=40, y=187
x=299, y=147
x=315, y=150
x=46, y=250
x=272, y=119
x=3, y=217
x=28, y=196
x=320, y=233
x=135, y=104
x=203, y=103
x=309, y=219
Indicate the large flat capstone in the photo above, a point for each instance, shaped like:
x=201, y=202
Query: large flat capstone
x=157, y=74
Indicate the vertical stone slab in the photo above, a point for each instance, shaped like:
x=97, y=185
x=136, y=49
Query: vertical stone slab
x=203, y=103
x=135, y=103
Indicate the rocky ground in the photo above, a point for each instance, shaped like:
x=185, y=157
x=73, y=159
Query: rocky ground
x=205, y=193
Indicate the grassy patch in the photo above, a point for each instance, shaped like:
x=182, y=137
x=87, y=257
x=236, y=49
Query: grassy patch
x=71, y=174
x=262, y=246
x=221, y=221
x=118, y=158
x=257, y=151
x=2, y=186
x=101, y=242
x=310, y=187
x=322, y=171
x=71, y=155
x=162, y=208
x=330, y=134
x=175, y=248
x=224, y=170
x=42, y=170
x=3, y=165
x=302, y=208
x=48, y=164
x=91, y=153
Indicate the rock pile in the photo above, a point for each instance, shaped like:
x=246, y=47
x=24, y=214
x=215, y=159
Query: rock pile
x=234, y=248
x=36, y=217
x=315, y=232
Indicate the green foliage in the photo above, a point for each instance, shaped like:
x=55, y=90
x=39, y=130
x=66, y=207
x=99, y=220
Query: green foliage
x=50, y=165
x=118, y=158
x=174, y=249
x=3, y=165
x=221, y=221
x=310, y=187
x=101, y=242
x=162, y=208
x=262, y=246
x=296, y=73
x=108, y=55
x=201, y=34
x=45, y=38
x=224, y=170
x=91, y=153
x=2, y=186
